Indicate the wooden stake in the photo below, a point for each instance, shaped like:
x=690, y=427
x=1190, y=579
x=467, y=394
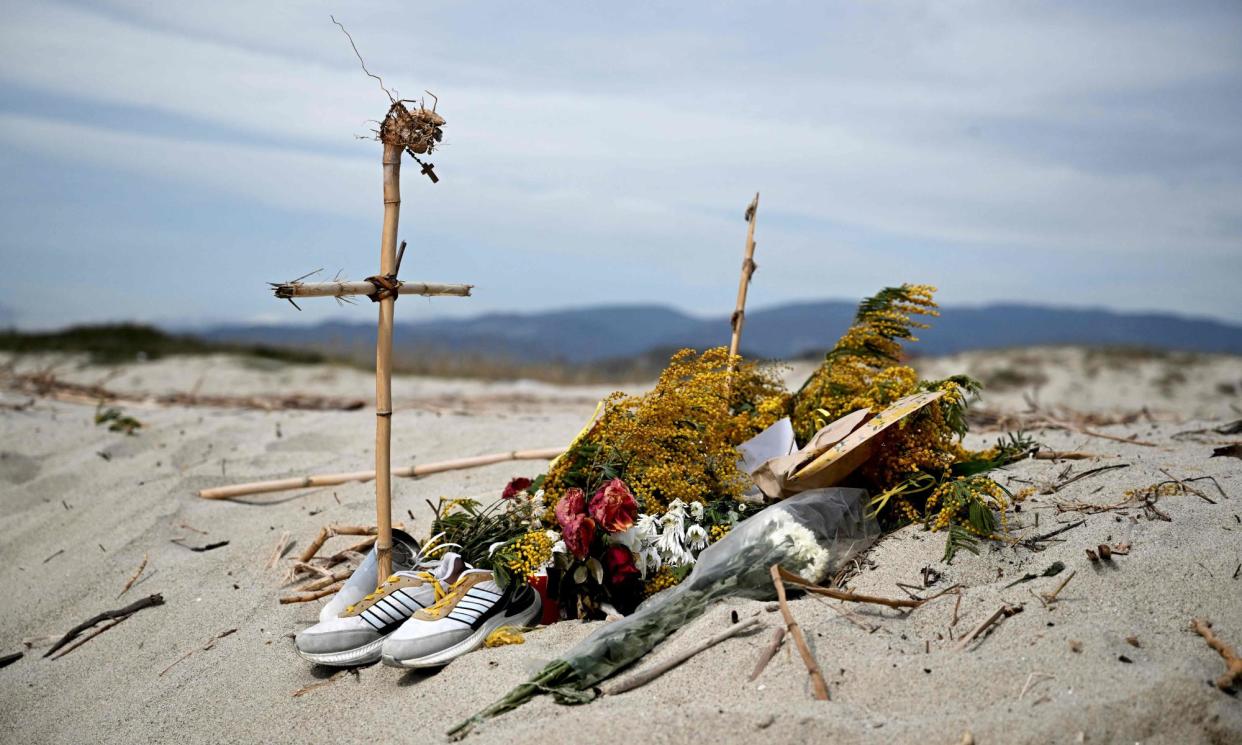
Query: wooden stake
x=334, y=479
x=818, y=684
x=383, y=364
x=748, y=268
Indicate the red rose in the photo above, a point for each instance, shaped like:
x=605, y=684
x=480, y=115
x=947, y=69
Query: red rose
x=613, y=507
x=515, y=487
x=578, y=532
x=573, y=502
x=619, y=565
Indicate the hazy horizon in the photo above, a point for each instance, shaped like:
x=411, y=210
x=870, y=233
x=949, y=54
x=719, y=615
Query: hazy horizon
x=164, y=162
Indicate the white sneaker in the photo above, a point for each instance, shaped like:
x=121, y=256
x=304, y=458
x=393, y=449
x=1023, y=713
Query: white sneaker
x=357, y=634
x=461, y=621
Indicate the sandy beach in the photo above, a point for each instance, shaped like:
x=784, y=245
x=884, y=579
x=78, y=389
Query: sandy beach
x=1112, y=660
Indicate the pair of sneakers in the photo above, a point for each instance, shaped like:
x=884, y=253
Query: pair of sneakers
x=423, y=616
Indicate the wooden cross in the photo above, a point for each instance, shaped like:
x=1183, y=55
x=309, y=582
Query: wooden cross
x=402, y=131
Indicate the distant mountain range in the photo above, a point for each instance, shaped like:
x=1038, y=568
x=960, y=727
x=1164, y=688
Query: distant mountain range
x=593, y=335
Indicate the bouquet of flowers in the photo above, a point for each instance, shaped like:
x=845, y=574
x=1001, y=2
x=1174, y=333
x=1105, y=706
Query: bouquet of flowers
x=649, y=484
x=811, y=534
x=655, y=480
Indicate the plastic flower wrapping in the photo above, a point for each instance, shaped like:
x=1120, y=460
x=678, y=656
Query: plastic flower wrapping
x=811, y=534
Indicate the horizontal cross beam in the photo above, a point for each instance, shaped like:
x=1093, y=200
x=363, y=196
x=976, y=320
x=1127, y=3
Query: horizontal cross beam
x=288, y=290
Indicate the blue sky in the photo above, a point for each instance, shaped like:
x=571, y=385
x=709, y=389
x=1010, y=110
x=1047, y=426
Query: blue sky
x=162, y=161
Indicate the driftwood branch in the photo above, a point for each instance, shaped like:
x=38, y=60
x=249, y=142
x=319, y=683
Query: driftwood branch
x=84, y=639
x=1233, y=663
x=645, y=677
x=120, y=613
x=818, y=684
x=306, y=597
x=333, y=479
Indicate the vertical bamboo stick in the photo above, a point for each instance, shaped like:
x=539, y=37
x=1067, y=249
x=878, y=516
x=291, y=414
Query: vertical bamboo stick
x=383, y=365
x=748, y=268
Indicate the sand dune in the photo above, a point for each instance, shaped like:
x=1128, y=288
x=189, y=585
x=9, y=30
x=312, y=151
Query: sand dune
x=82, y=506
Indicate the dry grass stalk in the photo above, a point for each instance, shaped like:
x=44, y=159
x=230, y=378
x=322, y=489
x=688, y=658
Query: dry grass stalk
x=210, y=643
x=1003, y=612
x=334, y=677
x=1048, y=598
x=748, y=269
x=778, y=637
x=1233, y=663
x=818, y=684
x=334, y=479
x=279, y=549
x=134, y=577
x=306, y=597
x=651, y=674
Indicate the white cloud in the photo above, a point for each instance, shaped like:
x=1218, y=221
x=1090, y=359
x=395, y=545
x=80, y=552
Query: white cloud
x=638, y=141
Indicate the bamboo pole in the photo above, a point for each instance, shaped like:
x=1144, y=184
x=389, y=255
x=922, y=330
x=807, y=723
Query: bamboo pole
x=383, y=364
x=748, y=268
x=334, y=479
x=362, y=287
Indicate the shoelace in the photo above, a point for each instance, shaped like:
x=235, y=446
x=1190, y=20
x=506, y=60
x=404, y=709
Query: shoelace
x=436, y=585
x=436, y=609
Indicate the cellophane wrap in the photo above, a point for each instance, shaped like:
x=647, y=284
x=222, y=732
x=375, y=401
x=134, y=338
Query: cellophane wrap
x=812, y=534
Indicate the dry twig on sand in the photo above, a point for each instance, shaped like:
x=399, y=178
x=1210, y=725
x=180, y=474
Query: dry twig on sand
x=333, y=479
x=96, y=632
x=1004, y=611
x=1048, y=598
x=818, y=684
x=778, y=637
x=808, y=586
x=1063, y=455
x=120, y=613
x=334, y=677
x=646, y=676
x=135, y=576
x=306, y=597
x=1233, y=663
x=278, y=551
x=210, y=643
x=45, y=384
